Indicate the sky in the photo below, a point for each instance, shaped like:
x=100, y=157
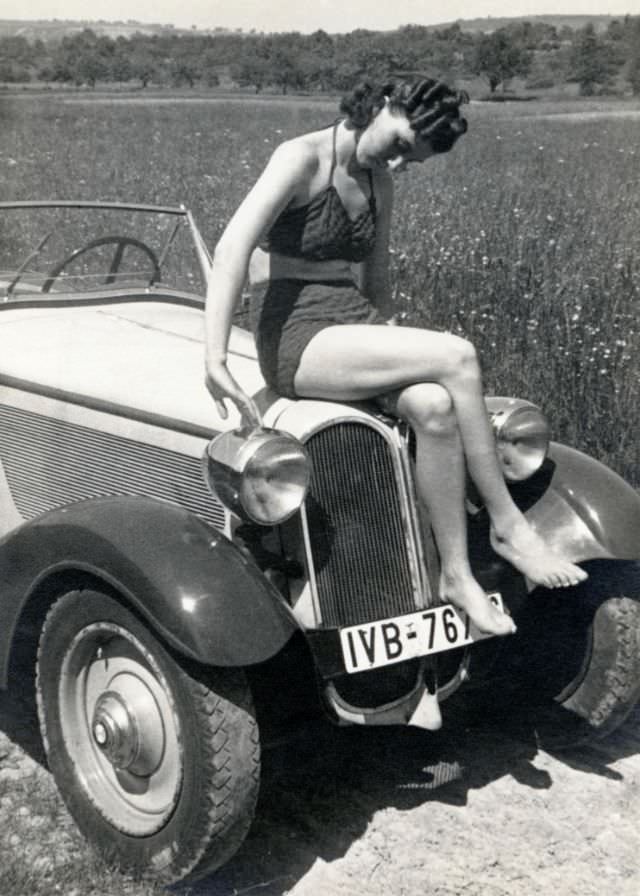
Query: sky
x=303, y=15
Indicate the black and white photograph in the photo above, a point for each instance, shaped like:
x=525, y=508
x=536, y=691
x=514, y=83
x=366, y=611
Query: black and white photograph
x=319, y=448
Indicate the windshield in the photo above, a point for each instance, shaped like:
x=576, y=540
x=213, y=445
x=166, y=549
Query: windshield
x=50, y=249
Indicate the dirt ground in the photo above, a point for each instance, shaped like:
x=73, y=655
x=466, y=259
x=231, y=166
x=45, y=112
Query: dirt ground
x=474, y=810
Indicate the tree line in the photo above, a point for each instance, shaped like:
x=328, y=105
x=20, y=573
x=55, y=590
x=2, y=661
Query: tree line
x=537, y=52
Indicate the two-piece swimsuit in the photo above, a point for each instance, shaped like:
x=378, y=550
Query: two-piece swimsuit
x=287, y=313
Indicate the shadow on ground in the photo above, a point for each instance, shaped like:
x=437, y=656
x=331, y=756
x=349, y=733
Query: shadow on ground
x=321, y=790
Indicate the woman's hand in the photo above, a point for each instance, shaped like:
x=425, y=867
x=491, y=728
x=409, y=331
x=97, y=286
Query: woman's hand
x=221, y=385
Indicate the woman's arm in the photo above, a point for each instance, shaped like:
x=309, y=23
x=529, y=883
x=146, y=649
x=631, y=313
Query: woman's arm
x=374, y=271
x=291, y=165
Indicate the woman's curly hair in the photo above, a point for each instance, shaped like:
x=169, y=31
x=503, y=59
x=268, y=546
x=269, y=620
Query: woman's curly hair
x=432, y=107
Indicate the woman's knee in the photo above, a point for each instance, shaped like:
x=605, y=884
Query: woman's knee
x=462, y=360
x=428, y=408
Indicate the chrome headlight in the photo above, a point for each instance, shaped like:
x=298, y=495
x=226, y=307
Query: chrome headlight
x=522, y=436
x=261, y=475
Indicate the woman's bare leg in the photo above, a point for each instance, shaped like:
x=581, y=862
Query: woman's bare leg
x=350, y=362
x=440, y=473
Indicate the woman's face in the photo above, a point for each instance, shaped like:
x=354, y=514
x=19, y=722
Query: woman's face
x=390, y=142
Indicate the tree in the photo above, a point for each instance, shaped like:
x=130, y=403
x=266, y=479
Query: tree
x=182, y=71
x=252, y=71
x=209, y=68
x=345, y=75
x=13, y=72
x=84, y=58
x=286, y=71
x=633, y=70
x=320, y=43
x=88, y=69
x=499, y=57
x=143, y=62
x=590, y=65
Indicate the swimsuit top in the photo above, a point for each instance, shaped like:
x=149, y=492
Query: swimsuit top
x=322, y=230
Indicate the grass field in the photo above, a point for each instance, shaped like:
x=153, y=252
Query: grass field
x=526, y=238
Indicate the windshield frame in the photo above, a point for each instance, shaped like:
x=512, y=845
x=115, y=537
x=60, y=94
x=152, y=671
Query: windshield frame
x=202, y=253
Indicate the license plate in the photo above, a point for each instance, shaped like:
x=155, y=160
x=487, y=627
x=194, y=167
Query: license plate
x=387, y=641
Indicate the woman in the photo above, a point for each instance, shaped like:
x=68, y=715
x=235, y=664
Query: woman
x=323, y=204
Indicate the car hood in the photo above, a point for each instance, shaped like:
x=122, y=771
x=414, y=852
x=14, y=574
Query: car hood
x=138, y=357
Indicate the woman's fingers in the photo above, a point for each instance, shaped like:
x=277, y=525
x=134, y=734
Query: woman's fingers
x=221, y=408
x=248, y=409
x=222, y=385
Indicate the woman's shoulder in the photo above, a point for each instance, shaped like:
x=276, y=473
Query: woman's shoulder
x=300, y=154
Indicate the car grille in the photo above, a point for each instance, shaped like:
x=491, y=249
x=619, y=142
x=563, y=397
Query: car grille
x=358, y=540
x=50, y=463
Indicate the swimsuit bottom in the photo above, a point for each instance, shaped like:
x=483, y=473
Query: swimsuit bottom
x=286, y=314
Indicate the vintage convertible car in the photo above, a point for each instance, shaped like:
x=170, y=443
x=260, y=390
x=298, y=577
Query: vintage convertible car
x=177, y=577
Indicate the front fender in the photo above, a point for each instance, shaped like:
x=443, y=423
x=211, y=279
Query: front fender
x=588, y=511
x=196, y=588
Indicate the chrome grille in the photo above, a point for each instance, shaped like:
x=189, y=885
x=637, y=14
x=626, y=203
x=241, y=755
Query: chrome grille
x=49, y=463
x=358, y=540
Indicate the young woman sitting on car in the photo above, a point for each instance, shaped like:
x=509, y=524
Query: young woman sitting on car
x=322, y=204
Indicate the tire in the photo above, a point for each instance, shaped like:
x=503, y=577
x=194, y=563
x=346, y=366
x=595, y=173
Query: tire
x=157, y=760
x=581, y=653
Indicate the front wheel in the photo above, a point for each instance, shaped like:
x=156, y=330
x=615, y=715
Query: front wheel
x=157, y=760
x=579, y=657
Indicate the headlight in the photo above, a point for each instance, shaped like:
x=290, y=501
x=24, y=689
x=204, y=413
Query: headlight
x=261, y=475
x=522, y=437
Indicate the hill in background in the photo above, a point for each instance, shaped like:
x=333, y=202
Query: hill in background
x=56, y=29
x=575, y=22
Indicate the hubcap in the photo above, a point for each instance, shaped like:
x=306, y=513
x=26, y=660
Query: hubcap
x=121, y=728
x=127, y=727
x=114, y=730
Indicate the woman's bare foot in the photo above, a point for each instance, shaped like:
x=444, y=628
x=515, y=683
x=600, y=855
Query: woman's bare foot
x=528, y=552
x=464, y=592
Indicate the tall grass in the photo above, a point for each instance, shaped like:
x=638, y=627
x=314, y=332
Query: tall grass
x=526, y=238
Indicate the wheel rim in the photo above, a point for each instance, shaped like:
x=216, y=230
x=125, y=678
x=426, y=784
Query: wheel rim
x=120, y=728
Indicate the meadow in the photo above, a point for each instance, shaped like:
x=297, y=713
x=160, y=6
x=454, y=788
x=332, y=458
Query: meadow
x=526, y=238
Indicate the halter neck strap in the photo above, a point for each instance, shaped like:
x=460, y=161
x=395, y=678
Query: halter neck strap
x=334, y=162
x=334, y=156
